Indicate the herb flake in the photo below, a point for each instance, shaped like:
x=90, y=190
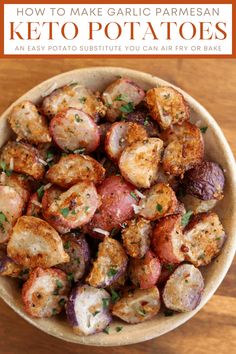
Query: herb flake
x=65, y=212
x=186, y=217
x=127, y=108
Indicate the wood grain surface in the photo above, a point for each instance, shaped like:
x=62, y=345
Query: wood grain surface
x=213, y=83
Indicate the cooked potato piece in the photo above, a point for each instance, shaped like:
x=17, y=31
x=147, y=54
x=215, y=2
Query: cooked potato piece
x=34, y=207
x=136, y=237
x=120, y=135
x=45, y=293
x=139, y=162
x=110, y=264
x=22, y=158
x=74, y=207
x=74, y=130
x=205, y=181
x=204, y=237
x=34, y=243
x=141, y=116
x=183, y=289
x=138, y=305
x=72, y=169
x=11, y=208
x=88, y=310
x=159, y=201
x=167, y=239
x=118, y=200
x=144, y=272
x=77, y=248
x=29, y=124
x=198, y=205
x=185, y=148
x=167, y=106
x=120, y=97
x=19, y=182
x=9, y=268
x=75, y=96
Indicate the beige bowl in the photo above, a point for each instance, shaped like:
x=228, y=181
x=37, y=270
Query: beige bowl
x=217, y=149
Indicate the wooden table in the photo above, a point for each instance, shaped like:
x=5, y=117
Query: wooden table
x=213, y=83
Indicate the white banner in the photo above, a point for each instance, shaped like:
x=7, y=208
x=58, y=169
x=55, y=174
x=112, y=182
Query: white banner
x=194, y=29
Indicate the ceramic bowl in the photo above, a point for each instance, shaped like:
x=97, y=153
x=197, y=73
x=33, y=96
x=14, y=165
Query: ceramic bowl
x=217, y=149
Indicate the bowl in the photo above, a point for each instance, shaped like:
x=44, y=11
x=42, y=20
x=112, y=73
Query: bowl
x=217, y=149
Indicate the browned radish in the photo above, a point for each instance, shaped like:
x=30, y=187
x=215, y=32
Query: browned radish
x=139, y=162
x=183, y=289
x=167, y=240
x=159, y=201
x=23, y=158
x=144, y=272
x=120, y=97
x=29, y=124
x=204, y=237
x=74, y=130
x=136, y=237
x=45, y=293
x=74, y=168
x=167, y=106
x=139, y=305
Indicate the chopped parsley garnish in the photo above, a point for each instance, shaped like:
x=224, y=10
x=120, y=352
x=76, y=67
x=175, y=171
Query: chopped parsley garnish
x=203, y=129
x=111, y=272
x=202, y=256
x=59, y=284
x=113, y=231
x=70, y=277
x=121, y=98
x=114, y=296
x=168, y=312
x=119, y=328
x=3, y=217
x=49, y=155
x=40, y=192
x=73, y=212
x=186, y=217
x=54, y=312
x=146, y=121
x=141, y=311
x=127, y=108
x=78, y=119
x=67, y=245
x=105, y=302
x=106, y=330
x=62, y=302
x=4, y=168
x=65, y=212
x=79, y=151
x=134, y=196
x=82, y=99
x=86, y=209
x=95, y=313
x=159, y=208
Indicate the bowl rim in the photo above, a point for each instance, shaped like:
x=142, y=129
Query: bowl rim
x=179, y=320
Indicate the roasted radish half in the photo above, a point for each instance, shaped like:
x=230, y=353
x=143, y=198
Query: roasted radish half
x=183, y=289
x=136, y=237
x=110, y=264
x=167, y=106
x=88, y=310
x=204, y=237
x=137, y=306
x=139, y=162
x=29, y=124
x=45, y=293
x=74, y=130
x=121, y=97
x=34, y=243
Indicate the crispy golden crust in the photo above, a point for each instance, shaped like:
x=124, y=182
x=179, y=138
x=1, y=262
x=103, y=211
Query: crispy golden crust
x=75, y=96
x=111, y=262
x=25, y=159
x=29, y=124
x=138, y=305
x=45, y=292
x=34, y=243
x=184, y=150
x=167, y=240
x=136, y=237
x=139, y=162
x=160, y=201
x=74, y=168
x=204, y=237
x=167, y=106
